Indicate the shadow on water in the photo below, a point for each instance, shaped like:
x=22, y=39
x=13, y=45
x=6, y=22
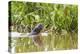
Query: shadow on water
x=54, y=41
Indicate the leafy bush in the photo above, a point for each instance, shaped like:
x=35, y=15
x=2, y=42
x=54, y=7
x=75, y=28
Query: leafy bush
x=51, y=15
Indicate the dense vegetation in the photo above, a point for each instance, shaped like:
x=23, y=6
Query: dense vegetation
x=61, y=20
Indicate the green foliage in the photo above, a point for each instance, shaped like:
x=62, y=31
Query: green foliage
x=51, y=15
x=59, y=19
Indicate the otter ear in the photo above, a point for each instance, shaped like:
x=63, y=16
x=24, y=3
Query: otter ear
x=40, y=26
